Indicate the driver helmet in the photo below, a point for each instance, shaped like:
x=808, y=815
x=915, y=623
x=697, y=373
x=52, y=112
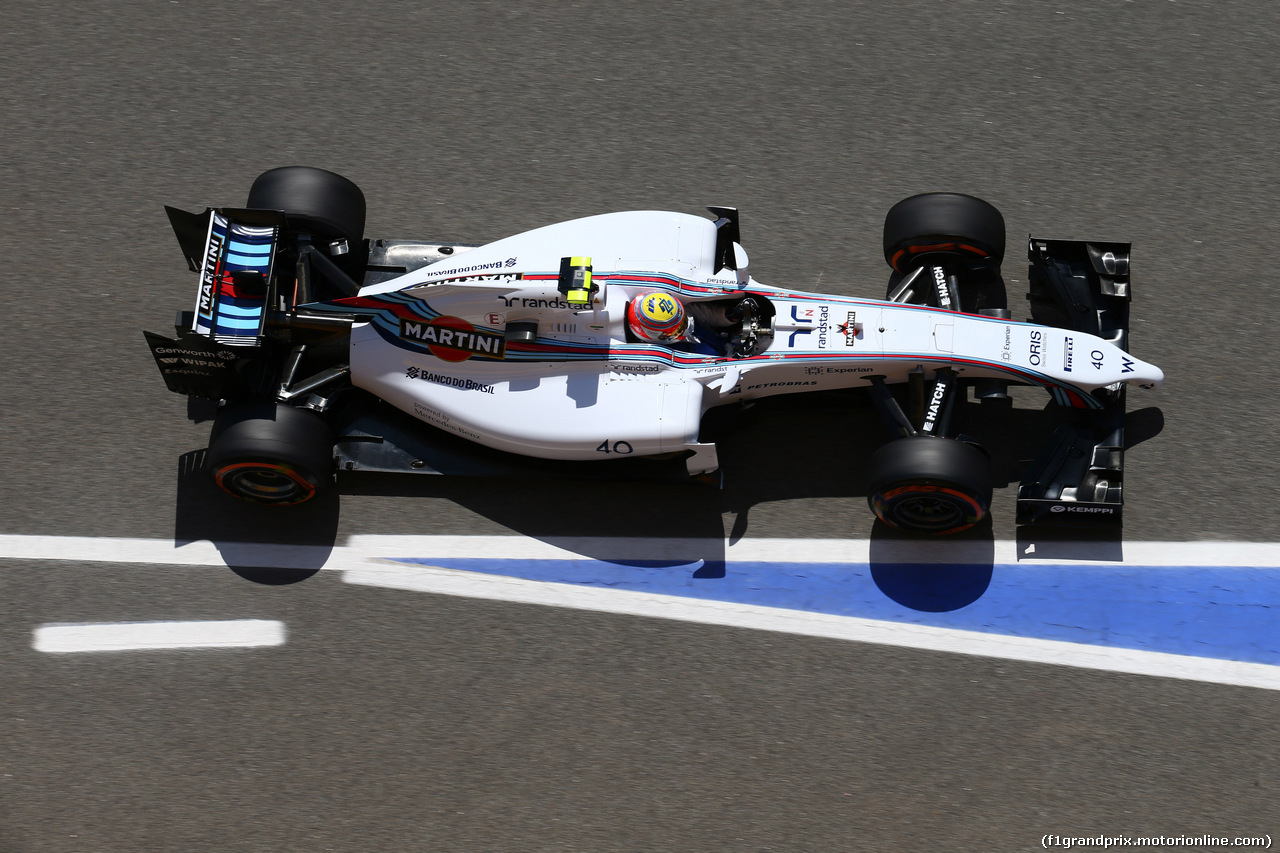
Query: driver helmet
x=657, y=317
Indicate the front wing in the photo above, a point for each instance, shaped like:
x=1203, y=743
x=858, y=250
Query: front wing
x=1078, y=477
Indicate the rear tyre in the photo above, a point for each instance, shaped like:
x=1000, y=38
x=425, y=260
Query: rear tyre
x=930, y=486
x=315, y=201
x=942, y=222
x=267, y=453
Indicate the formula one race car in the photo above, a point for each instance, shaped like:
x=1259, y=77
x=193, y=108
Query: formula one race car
x=601, y=343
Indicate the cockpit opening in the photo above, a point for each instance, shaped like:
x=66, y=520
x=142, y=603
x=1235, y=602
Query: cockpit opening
x=738, y=327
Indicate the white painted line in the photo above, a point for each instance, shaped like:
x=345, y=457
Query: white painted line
x=369, y=560
x=126, y=636
x=359, y=550
x=804, y=623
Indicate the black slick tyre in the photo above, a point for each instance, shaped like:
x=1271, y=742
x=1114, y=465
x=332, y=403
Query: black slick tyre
x=930, y=486
x=315, y=201
x=943, y=222
x=268, y=453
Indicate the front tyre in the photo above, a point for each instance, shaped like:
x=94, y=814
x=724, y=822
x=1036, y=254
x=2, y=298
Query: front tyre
x=961, y=237
x=267, y=453
x=930, y=486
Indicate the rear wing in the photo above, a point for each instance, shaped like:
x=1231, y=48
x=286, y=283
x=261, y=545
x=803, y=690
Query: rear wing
x=237, y=271
x=1079, y=476
x=235, y=252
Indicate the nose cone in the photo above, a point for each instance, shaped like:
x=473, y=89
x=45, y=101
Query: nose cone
x=1146, y=375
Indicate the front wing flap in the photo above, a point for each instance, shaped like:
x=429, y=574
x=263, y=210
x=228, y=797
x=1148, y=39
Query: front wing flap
x=1077, y=478
x=1082, y=286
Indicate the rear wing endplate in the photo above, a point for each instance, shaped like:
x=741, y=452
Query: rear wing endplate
x=199, y=366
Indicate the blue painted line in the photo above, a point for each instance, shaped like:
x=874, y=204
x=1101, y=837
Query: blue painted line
x=1227, y=613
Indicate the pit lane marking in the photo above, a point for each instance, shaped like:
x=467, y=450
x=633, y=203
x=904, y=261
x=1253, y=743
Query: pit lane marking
x=132, y=636
x=360, y=549
x=486, y=567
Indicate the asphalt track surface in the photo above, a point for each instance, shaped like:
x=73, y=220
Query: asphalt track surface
x=404, y=721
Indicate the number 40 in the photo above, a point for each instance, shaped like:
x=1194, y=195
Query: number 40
x=607, y=446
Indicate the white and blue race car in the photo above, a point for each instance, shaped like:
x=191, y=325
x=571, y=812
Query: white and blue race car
x=598, y=346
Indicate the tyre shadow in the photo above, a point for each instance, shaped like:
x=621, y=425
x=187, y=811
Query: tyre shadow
x=930, y=575
x=280, y=546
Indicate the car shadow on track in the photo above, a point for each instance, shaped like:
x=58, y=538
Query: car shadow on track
x=809, y=448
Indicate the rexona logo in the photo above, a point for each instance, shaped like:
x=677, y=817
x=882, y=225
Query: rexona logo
x=452, y=338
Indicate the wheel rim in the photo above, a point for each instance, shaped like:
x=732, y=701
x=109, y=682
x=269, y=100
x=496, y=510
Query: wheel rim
x=264, y=482
x=928, y=509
